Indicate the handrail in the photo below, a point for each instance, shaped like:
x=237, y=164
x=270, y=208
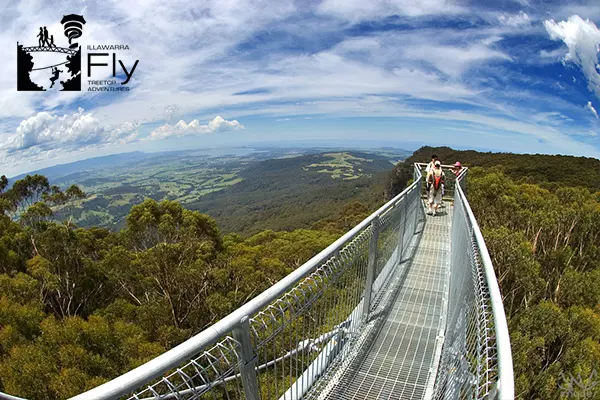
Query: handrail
x=447, y=166
x=236, y=323
x=4, y=396
x=506, y=385
x=171, y=359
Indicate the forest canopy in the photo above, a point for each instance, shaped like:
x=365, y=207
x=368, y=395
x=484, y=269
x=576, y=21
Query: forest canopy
x=540, y=217
x=79, y=306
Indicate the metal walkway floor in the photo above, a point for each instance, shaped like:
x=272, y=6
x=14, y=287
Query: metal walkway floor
x=403, y=356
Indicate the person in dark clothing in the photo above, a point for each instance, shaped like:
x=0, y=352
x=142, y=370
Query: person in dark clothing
x=55, y=72
x=46, y=41
x=41, y=37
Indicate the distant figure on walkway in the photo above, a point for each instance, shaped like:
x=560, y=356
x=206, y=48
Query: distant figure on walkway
x=435, y=182
x=46, y=42
x=41, y=37
x=55, y=72
x=457, y=169
x=52, y=41
x=430, y=166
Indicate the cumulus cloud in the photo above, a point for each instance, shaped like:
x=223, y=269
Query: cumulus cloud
x=47, y=131
x=590, y=107
x=582, y=38
x=182, y=128
x=518, y=20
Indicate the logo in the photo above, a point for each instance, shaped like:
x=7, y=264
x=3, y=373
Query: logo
x=65, y=62
x=55, y=65
x=580, y=387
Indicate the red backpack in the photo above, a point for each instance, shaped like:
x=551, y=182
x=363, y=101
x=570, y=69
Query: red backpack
x=437, y=181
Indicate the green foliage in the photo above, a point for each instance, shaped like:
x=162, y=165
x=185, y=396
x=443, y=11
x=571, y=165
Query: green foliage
x=73, y=355
x=549, y=171
x=79, y=306
x=348, y=217
x=540, y=216
x=544, y=243
x=286, y=194
x=271, y=189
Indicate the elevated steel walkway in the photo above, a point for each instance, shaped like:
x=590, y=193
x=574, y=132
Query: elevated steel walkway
x=401, y=360
x=404, y=306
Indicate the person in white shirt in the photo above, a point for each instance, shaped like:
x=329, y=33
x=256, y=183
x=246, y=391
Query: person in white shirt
x=435, y=182
x=434, y=158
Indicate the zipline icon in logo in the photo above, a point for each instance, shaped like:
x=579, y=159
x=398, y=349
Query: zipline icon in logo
x=64, y=70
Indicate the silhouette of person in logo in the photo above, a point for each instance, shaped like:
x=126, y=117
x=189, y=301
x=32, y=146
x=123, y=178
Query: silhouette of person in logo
x=52, y=41
x=46, y=42
x=41, y=37
x=55, y=72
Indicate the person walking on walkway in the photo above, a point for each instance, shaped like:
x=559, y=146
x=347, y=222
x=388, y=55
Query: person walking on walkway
x=430, y=166
x=457, y=169
x=41, y=37
x=435, y=181
x=46, y=41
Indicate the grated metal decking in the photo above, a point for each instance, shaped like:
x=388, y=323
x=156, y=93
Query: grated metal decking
x=402, y=359
x=392, y=273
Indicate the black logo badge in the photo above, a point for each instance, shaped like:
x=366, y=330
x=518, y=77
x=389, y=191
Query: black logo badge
x=65, y=72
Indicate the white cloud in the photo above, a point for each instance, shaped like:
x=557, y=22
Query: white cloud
x=217, y=124
x=582, y=38
x=361, y=9
x=590, y=107
x=453, y=60
x=47, y=131
x=553, y=55
x=48, y=136
x=222, y=47
x=516, y=21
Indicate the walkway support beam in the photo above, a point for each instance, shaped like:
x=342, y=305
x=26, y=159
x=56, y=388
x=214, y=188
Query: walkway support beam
x=375, y=228
x=247, y=359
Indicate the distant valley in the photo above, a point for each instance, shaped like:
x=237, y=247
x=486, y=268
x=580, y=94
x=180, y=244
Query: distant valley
x=244, y=189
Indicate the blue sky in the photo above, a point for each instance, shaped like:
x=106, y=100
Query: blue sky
x=520, y=76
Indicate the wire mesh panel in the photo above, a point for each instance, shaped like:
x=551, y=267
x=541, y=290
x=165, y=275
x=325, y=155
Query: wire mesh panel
x=469, y=367
x=308, y=329
x=298, y=335
x=277, y=345
x=212, y=375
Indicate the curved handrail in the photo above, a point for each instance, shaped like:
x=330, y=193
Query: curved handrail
x=136, y=378
x=4, y=396
x=171, y=359
x=505, y=385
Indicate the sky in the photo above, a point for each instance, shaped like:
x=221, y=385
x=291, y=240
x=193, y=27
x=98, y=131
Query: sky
x=505, y=75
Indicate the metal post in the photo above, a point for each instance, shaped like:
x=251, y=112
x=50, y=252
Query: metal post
x=402, y=229
x=246, y=359
x=419, y=209
x=371, y=267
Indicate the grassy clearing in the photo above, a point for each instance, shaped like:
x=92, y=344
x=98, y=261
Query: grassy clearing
x=342, y=165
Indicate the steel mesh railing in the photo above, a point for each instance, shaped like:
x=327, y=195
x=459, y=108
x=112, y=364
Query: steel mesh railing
x=476, y=361
x=277, y=345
